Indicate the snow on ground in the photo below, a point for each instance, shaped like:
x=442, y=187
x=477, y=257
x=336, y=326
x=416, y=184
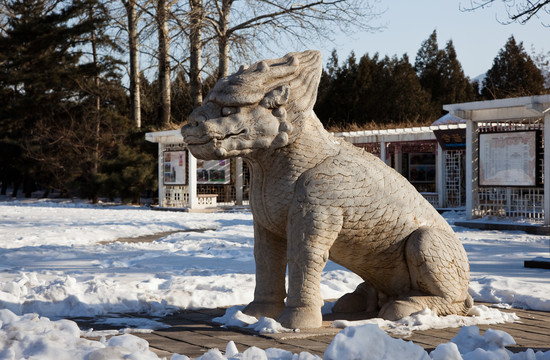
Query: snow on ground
x=72, y=273
x=59, y=260
x=497, y=272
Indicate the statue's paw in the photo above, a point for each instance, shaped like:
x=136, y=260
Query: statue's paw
x=350, y=303
x=301, y=318
x=363, y=299
x=398, y=309
x=267, y=309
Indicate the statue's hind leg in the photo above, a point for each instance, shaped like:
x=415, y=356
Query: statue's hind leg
x=439, y=273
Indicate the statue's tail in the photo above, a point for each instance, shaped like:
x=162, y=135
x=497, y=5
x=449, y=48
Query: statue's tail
x=467, y=305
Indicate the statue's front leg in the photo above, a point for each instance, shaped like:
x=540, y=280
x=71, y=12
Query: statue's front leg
x=270, y=258
x=311, y=234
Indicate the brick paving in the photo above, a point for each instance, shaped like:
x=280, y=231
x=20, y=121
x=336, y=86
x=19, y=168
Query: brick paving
x=193, y=333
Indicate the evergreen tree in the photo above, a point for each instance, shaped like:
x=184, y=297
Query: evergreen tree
x=513, y=74
x=428, y=65
x=456, y=86
x=149, y=102
x=337, y=98
x=325, y=93
x=441, y=74
x=368, y=84
x=409, y=101
x=68, y=115
x=129, y=172
x=389, y=92
x=39, y=62
x=373, y=91
x=181, y=102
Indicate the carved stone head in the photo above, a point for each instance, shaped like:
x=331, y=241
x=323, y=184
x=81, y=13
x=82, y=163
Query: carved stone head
x=258, y=108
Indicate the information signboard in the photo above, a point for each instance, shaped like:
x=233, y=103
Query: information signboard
x=508, y=158
x=213, y=172
x=175, y=168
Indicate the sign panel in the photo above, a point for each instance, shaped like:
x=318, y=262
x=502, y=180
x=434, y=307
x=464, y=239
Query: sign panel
x=451, y=139
x=508, y=159
x=213, y=172
x=175, y=168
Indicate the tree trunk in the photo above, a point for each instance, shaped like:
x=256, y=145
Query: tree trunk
x=95, y=156
x=195, y=39
x=164, y=63
x=223, y=39
x=223, y=48
x=133, y=42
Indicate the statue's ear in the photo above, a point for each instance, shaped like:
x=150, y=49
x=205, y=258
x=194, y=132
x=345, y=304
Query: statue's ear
x=276, y=97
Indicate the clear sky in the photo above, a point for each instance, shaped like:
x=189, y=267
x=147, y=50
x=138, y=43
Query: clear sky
x=477, y=36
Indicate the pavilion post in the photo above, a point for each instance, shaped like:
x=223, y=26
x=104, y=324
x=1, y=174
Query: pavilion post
x=160, y=162
x=239, y=181
x=471, y=181
x=193, y=202
x=546, y=165
x=440, y=175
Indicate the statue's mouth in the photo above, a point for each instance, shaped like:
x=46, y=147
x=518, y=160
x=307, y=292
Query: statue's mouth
x=234, y=134
x=203, y=140
x=191, y=141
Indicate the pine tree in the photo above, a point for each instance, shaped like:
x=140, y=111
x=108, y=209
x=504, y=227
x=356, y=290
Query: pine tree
x=409, y=101
x=181, y=102
x=325, y=92
x=63, y=114
x=513, y=74
x=149, y=102
x=38, y=63
x=428, y=65
x=390, y=92
x=456, y=86
x=338, y=93
x=373, y=91
x=368, y=85
x=441, y=74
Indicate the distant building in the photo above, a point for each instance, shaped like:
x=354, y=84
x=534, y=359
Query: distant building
x=431, y=157
x=507, y=162
x=187, y=183
x=486, y=157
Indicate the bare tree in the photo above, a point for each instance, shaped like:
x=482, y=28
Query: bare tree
x=196, y=44
x=257, y=22
x=221, y=28
x=125, y=21
x=5, y=15
x=223, y=33
x=245, y=26
x=520, y=11
x=133, y=47
x=163, y=61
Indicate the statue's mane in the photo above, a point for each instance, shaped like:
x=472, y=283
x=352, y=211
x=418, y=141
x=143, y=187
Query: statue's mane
x=300, y=72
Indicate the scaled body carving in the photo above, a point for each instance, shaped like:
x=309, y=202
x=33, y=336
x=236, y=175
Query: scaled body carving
x=315, y=197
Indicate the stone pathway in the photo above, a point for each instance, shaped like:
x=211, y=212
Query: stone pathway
x=153, y=237
x=193, y=333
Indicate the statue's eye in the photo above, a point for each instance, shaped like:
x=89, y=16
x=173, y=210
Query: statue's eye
x=226, y=111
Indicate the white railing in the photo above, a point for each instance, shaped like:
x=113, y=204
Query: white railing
x=513, y=203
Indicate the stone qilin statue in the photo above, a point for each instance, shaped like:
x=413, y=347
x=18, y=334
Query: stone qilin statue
x=315, y=197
